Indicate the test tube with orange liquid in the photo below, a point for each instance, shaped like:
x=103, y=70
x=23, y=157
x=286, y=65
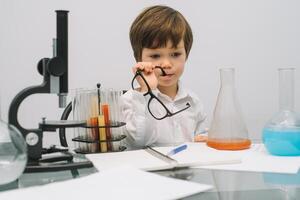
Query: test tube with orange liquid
x=105, y=110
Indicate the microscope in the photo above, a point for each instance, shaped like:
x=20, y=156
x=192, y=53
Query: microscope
x=55, y=73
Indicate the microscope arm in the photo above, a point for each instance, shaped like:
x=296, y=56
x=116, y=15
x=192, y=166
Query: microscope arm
x=55, y=73
x=33, y=137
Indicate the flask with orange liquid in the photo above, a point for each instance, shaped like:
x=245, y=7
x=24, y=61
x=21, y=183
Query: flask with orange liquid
x=228, y=130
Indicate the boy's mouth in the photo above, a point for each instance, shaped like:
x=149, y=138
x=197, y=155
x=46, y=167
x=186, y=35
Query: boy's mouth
x=167, y=76
x=168, y=73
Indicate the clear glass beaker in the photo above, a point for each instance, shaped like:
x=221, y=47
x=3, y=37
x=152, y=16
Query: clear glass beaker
x=228, y=130
x=85, y=107
x=13, y=153
x=281, y=134
x=98, y=108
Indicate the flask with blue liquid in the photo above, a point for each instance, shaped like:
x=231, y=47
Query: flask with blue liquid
x=281, y=134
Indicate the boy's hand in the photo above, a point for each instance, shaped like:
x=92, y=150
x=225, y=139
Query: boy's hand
x=148, y=73
x=200, y=138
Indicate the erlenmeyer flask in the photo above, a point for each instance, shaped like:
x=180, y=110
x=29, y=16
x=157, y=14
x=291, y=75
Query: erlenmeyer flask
x=228, y=130
x=13, y=153
x=281, y=134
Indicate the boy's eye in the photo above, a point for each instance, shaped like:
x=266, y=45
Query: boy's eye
x=176, y=54
x=155, y=56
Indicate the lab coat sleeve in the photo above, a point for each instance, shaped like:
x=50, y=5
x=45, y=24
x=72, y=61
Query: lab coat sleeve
x=139, y=127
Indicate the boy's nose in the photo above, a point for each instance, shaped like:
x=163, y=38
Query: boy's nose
x=166, y=63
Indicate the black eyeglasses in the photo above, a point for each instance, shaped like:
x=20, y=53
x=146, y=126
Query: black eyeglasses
x=155, y=106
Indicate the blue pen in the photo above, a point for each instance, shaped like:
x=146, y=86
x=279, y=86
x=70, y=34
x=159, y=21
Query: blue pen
x=177, y=150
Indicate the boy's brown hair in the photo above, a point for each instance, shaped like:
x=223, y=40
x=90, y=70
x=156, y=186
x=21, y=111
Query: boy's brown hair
x=157, y=25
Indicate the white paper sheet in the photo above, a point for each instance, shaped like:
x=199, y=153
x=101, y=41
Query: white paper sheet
x=139, y=159
x=196, y=154
x=257, y=159
x=118, y=183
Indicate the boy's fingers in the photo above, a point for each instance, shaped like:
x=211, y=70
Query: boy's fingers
x=200, y=138
x=149, y=70
x=136, y=67
x=146, y=67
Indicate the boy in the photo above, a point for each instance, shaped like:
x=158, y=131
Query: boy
x=161, y=38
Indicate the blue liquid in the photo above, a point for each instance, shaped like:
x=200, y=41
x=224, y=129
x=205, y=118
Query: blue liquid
x=282, y=142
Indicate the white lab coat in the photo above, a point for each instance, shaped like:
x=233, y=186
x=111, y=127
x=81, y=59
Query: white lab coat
x=142, y=129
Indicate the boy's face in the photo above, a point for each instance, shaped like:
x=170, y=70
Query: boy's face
x=171, y=59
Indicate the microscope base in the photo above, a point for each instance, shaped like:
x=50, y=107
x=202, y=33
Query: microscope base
x=58, y=162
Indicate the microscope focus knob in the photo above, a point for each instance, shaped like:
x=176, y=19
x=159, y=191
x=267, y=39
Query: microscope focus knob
x=56, y=66
x=41, y=63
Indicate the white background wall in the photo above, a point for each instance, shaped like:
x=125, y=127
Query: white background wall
x=254, y=36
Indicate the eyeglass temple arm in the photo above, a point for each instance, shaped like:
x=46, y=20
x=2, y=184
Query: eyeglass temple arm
x=163, y=73
x=187, y=106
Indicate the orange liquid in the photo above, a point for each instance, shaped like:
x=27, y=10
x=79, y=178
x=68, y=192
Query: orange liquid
x=94, y=122
x=226, y=144
x=105, y=110
x=94, y=134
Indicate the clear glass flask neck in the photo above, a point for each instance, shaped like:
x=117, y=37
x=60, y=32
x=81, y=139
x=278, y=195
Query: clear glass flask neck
x=227, y=77
x=286, y=89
